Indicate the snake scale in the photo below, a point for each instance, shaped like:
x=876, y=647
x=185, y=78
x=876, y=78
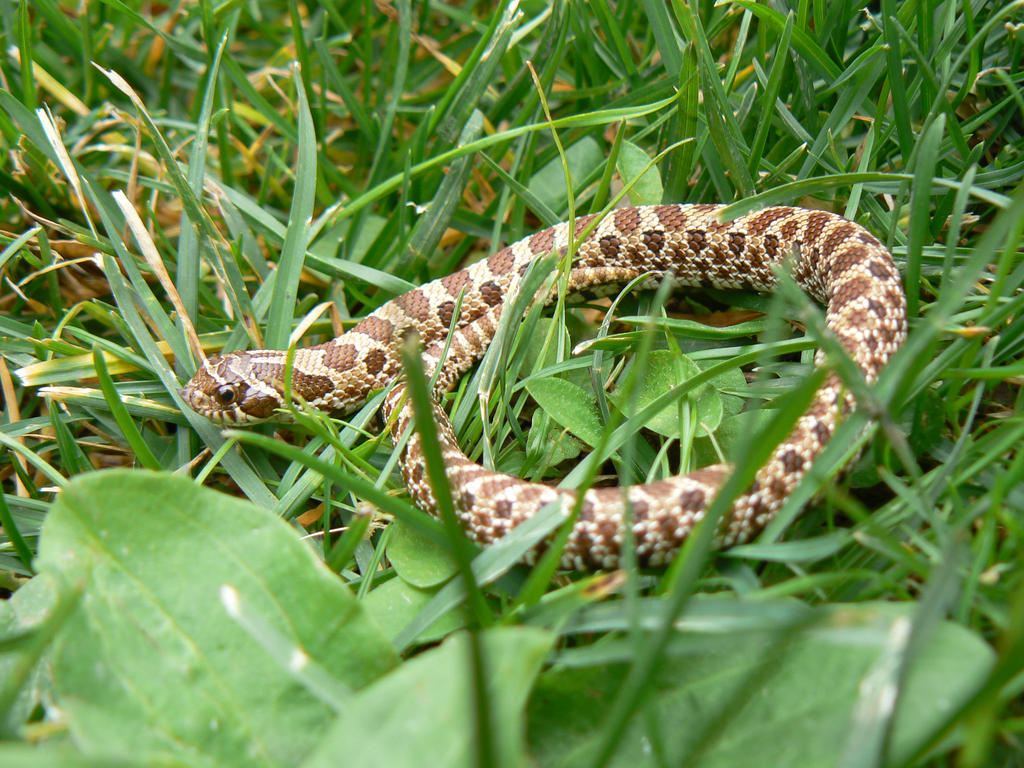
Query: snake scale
x=836, y=261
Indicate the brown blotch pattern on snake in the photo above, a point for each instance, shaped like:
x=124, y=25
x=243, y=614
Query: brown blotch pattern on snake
x=835, y=261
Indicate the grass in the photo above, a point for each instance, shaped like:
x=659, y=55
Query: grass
x=264, y=172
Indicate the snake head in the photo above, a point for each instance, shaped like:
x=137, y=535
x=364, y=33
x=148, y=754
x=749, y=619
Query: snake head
x=229, y=390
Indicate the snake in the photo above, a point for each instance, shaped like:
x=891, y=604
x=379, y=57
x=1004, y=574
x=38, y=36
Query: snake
x=837, y=262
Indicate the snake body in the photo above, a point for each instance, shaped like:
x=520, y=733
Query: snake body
x=836, y=261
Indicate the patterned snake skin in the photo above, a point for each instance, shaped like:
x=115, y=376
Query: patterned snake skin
x=836, y=261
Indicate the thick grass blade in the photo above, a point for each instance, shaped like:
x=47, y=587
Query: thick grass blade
x=128, y=429
x=926, y=155
x=293, y=251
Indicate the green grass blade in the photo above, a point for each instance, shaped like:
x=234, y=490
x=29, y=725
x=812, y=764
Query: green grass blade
x=293, y=251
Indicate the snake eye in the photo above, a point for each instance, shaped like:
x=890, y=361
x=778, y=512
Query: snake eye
x=226, y=395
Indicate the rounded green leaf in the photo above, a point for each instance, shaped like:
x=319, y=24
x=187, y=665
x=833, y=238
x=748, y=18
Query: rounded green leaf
x=548, y=183
x=557, y=446
x=791, y=698
x=152, y=662
x=665, y=371
x=570, y=405
x=732, y=379
x=418, y=559
x=395, y=603
x=425, y=712
x=730, y=435
x=634, y=163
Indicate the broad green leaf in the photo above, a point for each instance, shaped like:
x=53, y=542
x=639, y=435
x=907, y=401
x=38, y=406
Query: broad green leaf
x=54, y=756
x=395, y=603
x=27, y=622
x=424, y=712
x=150, y=662
x=730, y=434
x=732, y=379
x=634, y=163
x=787, y=698
x=569, y=405
x=666, y=370
x=555, y=444
x=418, y=559
x=548, y=183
